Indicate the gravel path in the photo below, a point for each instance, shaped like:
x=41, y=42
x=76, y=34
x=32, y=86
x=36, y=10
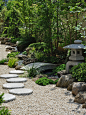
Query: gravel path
x=45, y=100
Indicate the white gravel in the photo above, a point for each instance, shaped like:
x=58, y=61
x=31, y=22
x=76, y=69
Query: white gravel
x=45, y=100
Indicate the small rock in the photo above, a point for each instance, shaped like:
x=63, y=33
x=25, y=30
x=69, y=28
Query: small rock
x=80, y=97
x=60, y=73
x=18, y=67
x=77, y=87
x=5, y=63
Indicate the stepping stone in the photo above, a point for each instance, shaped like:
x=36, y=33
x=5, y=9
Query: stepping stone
x=13, y=85
x=16, y=72
x=8, y=97
x=21, y=91
x=16, y=80
x=39, y=65
x=6, y=76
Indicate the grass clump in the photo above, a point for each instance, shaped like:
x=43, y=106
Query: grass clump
x=3, y=110
x=45, y=81
x=79, y=72
x=3, y=60
x=12, y=62
x=32, y=72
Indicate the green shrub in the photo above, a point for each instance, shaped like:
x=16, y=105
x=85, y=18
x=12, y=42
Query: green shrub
x=12, y=62
x=13, y=54
x=3, y=60
x=59, y=68
x=32, y=72
x=45, y=81
x=79, y=72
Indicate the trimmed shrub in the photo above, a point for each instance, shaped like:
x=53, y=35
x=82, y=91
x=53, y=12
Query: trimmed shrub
x=45, y=81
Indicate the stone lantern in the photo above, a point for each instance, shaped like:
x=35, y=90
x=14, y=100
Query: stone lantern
x=76, y=54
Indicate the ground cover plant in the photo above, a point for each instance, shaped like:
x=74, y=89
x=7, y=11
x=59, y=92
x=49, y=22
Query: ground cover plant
x=3, y=60
x=3, y=110
x=79, y=72
x=12, y=62
x=45, y=81
x=12, y=54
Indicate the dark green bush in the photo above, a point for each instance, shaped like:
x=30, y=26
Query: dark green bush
x=45, y=81
x=79, y=72
x=3, y=60
x=13, y=54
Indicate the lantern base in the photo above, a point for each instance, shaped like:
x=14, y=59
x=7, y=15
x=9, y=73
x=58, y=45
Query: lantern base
x=70, y=64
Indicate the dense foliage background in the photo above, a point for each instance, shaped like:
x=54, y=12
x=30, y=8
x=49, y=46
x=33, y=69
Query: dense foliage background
x=55, y=22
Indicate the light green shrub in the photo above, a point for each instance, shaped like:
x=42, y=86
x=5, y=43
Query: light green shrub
x=12, y=62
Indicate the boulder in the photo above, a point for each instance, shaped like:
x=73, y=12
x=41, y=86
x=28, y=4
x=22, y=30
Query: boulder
x=80, y=97
x=65, y=80
x=2, y=38
x=77, y=87
x=84, y=105
x=60, y=73
x=29, y=60
x=6, y=39
x=69, y=88
x=21, y=57
x=9, y=48
x=28, y=49
x=39, y=76
x=7, y=43
x=2, y=42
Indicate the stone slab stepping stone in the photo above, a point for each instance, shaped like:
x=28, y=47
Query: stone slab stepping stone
x=40, y=65
x=8, y=97
x=16, y=72
x=16, y=80
x=6, y=76
x=13, y=85
x=21, y=91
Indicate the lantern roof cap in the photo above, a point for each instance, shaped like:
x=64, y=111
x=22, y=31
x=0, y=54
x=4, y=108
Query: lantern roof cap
x=77, y=45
